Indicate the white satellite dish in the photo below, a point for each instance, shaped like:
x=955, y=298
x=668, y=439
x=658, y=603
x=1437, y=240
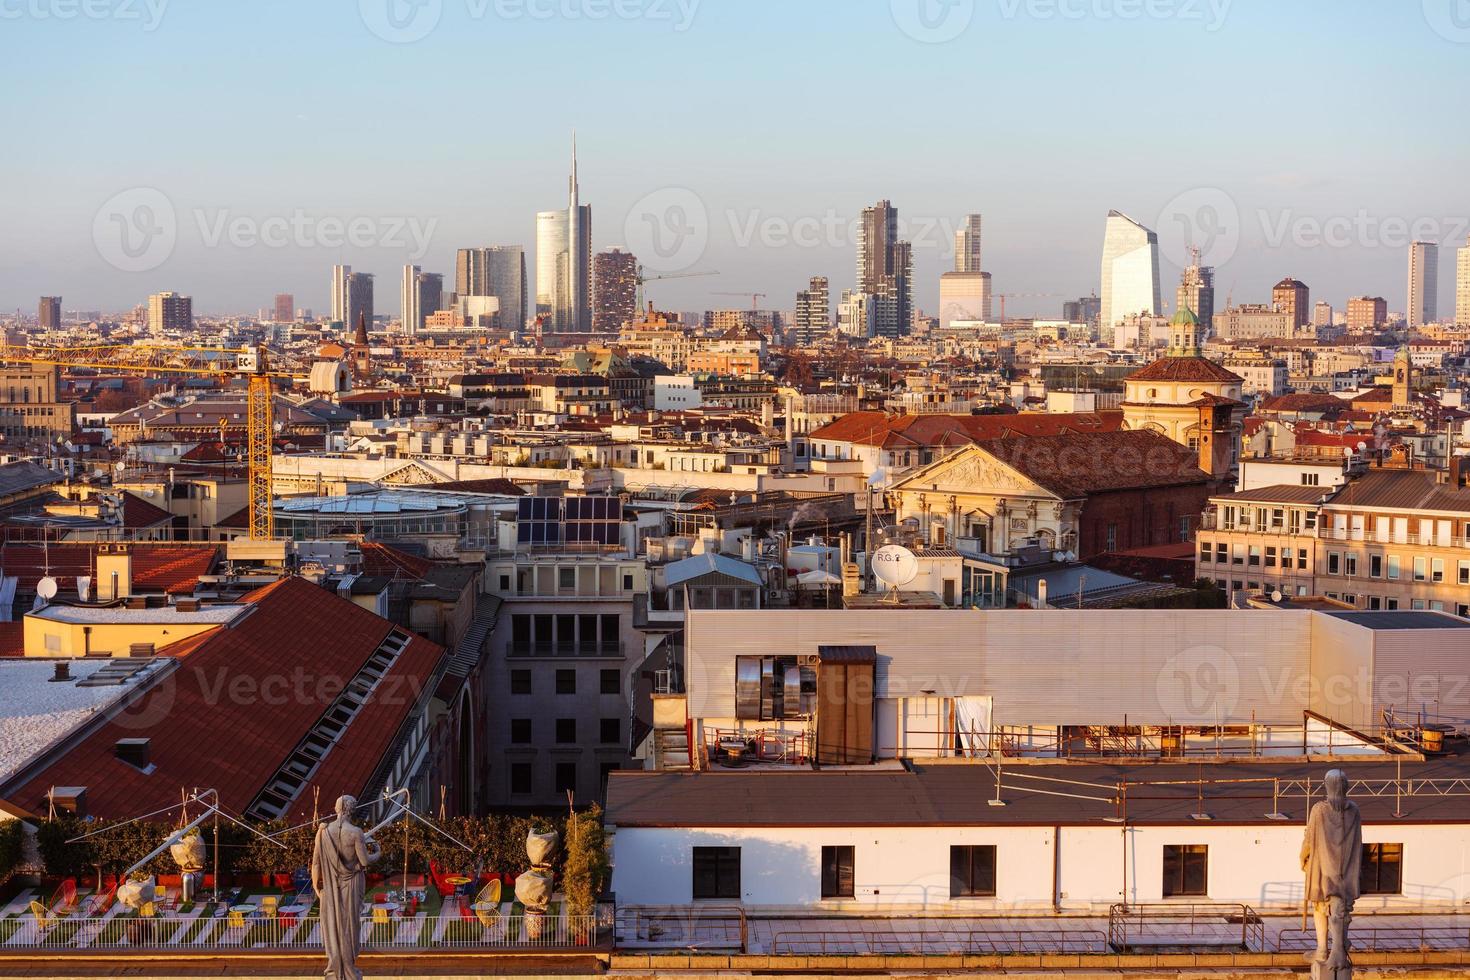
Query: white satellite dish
x=1276, y=595
x=894, y=565
x=46, y=588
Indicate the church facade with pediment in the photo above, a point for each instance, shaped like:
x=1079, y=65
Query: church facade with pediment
x=973, y=494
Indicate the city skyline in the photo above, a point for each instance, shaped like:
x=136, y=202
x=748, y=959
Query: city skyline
x=1041, y=207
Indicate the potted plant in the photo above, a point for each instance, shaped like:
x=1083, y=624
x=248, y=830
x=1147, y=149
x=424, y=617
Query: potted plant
x=585, y=873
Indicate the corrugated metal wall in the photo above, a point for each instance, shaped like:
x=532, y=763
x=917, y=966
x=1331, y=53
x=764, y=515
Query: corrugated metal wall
x=1055, y=667
x=1427, y=670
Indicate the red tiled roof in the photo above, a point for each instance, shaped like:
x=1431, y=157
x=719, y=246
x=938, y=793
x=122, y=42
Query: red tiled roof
x=1185, y=369
x=380, y=559
x=1077, y=464
x=139, y=513
x=1303, y=401
x=12, y=639
x=230, y=716
x=163, y=567
x=890, y=431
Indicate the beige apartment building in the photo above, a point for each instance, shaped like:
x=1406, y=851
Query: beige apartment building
x=1387, y=539
x=29, y=408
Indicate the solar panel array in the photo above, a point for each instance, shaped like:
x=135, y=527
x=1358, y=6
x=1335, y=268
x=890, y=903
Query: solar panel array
x=568, y=520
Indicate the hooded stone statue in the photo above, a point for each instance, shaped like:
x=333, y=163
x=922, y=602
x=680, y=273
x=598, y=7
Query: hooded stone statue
x=339, y=860
x=1332, y=857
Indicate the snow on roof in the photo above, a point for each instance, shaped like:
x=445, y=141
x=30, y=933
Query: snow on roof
x=37, y=712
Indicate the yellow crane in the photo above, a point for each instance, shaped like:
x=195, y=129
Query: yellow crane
x=219, y=362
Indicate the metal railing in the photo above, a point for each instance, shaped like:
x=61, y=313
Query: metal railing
x=1185, y=925
x=878, y=941
x=209, y=932
x=1377, y=939
x=683, y=927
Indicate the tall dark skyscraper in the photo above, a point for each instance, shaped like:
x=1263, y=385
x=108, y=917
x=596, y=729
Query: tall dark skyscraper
x=352, y=296
x=49, y=313
x=614, y=289
x=885, y=269
x=285, y=308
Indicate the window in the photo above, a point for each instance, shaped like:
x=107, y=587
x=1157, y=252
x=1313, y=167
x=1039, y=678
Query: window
x=520, y=682
x=1375, y=566
x=1204, y=551
x=1112, y=539
x=1221, y=551
x=717, y=872
x=610, y=731
x=505, y=583
x=566, y=777
x=1311, y=479
x=1270, y=557
x=1436, y=570
x=566, y=681
x=1334, y=563
x=1184, y=869
x=520, y=778
x=566, y=577
x=1381, y=872
x=1420, y=568
x=1464, y=568
x=520, y=731
x=972, y=871
x=837, y=876
x=1393, y=566
x=566, y=731
x=1350, y=563
x=611, y=682
x=1255, y=555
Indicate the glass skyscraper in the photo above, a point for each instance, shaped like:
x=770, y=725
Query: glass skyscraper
x=1130, y=272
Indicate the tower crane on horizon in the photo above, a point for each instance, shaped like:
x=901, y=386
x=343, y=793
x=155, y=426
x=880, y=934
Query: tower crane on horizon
x=1004, y=296
x=642, y=277
x=755, y=298
x=250, y=363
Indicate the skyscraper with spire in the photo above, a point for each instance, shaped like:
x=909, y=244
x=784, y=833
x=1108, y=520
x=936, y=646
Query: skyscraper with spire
x=564, y=261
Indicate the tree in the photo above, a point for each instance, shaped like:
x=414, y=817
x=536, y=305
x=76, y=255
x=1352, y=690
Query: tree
x=587, y=868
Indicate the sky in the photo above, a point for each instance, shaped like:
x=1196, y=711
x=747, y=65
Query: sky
x=233, y=149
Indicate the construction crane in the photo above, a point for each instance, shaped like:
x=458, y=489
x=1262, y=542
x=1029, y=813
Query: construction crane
x=755, y=298
x=642, y=277
x=1004, y=296
x=219, y=362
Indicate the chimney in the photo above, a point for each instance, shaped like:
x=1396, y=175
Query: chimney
x=134, y=751
x=62, y=671
x=114, y=575
x=69, y=799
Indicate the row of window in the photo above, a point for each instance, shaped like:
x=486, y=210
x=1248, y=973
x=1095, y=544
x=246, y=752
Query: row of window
x=1263, y=519
x=609, y=731
x=1252, y=555
x=972, y=871
x=1372, y=602
x=1388, y=567
x=563, y=777
x=565, y=634
x=608, y=681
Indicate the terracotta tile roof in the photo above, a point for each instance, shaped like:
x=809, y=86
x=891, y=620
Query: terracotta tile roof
x=1185, y=369
x=231, y=715
x=1303, y=401
x=162, y=567
x=139, y=513
x=380, y=559
x=1078, y=464
x=900, y=431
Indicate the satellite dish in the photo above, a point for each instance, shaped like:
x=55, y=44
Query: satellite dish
x=895, y=565
x=46, y=588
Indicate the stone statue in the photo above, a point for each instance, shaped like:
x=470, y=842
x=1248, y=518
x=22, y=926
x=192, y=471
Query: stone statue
x=339, y=859
x=1332, y=855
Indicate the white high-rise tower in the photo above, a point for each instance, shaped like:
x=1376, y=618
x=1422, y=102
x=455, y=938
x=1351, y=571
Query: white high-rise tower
x=1130, y=272
x=564, y=261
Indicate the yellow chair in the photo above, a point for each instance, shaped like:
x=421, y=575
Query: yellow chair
x=235, y=920
x=44, y=919
x=487, y=904
x=269, y=904
x=147, y=911
x=380, y=916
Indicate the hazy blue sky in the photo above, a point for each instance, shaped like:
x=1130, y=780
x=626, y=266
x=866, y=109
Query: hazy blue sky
x=739, y=125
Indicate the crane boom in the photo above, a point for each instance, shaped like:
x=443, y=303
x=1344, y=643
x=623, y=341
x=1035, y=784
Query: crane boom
x=247, y=362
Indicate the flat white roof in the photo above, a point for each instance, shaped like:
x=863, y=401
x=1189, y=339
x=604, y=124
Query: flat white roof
x=215, y=615
x=37, y=712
